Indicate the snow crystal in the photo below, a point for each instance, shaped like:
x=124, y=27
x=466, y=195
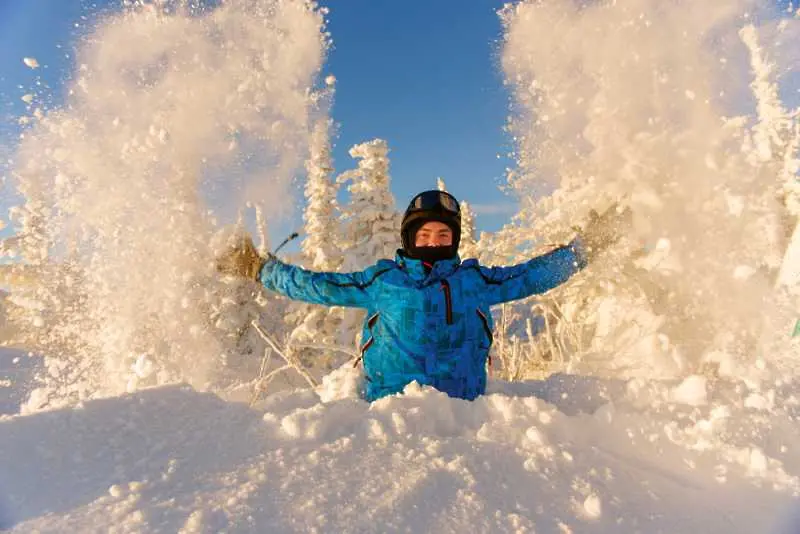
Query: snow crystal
x=343, y=383
x=691, y=391
x=593, y=507
x=743, y=272
x=143, y=367
x=536, y=437
x=31, y=62
x=195, y=523
x=758, y=401
x=758, y=461
x=736, y=204
x=376, y=431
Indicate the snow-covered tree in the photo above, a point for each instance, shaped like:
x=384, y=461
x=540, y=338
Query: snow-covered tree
x=371, y=222
x=319, y=325
x=320, y=250
x=772, y=143
x=371, y=226
x=789, y=275
x=772, y=129
x=468, y=248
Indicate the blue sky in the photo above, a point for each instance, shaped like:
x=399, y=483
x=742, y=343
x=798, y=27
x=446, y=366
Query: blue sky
x=422, y=75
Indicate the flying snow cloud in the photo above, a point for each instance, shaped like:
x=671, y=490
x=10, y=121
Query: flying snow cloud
x=640, y=101
x=170, y=115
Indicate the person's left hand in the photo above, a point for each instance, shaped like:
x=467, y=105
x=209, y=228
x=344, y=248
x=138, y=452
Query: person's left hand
x=601, y=231
x=241, y=259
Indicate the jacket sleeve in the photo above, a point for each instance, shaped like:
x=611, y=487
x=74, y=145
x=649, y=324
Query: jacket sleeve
x=330, y=289
x=538, y=275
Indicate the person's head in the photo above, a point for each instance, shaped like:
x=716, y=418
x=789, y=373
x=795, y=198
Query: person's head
x=431, y=228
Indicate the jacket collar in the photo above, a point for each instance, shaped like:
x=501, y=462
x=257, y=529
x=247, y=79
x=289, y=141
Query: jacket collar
x=416, y=269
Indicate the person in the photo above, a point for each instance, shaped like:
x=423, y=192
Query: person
x=428, y=313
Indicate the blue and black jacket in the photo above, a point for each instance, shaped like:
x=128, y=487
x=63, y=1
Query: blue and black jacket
x=429, y=325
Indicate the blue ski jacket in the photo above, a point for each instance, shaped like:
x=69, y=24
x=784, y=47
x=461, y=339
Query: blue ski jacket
x=429, y=325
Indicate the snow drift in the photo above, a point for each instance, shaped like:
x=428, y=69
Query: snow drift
x=570, y=454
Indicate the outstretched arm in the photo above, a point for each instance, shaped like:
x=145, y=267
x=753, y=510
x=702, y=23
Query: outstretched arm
x=331, y=289
x=543, y=273
x=538, y=275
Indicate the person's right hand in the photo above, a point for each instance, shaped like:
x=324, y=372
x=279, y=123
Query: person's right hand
x=241, y=259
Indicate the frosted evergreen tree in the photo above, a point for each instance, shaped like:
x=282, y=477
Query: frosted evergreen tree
x=371, y=225
x=773, y=125
x=321, y=215
x=319, y=325
x=776, y=141
x=789, y=274
x=468, y=248
x=772, y=147
x=371, y=222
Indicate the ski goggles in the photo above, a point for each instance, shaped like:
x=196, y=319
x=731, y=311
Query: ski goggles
x=435, y=201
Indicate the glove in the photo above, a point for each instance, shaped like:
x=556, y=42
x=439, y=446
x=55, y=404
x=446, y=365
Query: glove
x=601, y=231
x=241, y=259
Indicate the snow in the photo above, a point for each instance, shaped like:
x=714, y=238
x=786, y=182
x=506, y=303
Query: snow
x=569, y=454
x=31, y=62
x=17, y=369
x=691, y=391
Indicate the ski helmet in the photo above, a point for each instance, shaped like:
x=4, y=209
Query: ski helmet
x=426, y=207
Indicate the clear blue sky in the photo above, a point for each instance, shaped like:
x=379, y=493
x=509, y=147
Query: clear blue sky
x=425, y=76
x=421, y=74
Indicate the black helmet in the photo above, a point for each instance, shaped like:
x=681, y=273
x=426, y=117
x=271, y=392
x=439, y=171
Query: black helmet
x=431, y=206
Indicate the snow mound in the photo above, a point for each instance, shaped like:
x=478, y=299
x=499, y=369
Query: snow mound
x=569, y=454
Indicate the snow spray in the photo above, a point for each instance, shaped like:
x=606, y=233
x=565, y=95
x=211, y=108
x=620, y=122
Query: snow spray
x=174, y=116
x=674, y=109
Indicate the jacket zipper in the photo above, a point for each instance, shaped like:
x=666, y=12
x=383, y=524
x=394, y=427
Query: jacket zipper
x=448, y=302
x=485, y=323
x=370, y=324
x=489, y=334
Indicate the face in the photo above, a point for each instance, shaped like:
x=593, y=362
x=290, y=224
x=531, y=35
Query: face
x=434, y=234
